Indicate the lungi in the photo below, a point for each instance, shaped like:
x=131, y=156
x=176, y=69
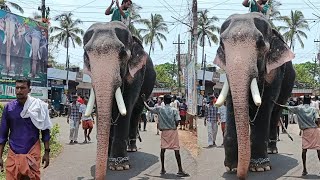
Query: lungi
x=18, y=165
x=311, y=138
x=170, y=139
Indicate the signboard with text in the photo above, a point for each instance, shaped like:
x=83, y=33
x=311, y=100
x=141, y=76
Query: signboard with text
x=23, y=53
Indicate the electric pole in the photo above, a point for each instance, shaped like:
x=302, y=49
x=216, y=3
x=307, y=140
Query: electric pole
x=204, y=72
x=179, y=67
x=44, y=11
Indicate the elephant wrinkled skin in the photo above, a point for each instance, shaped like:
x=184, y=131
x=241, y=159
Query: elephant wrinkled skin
x=253, y=55
x=115, y=59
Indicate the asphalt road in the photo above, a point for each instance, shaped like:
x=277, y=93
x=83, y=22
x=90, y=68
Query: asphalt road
x=78, y=161
x=287, y=165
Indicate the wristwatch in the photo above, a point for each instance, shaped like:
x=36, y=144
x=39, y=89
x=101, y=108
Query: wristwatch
x=47, y=150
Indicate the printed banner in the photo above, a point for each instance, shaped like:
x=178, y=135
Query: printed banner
x=191, y=90
x=23, y=51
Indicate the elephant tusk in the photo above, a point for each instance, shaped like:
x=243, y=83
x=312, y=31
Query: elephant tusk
x=39, y=56
x=4, y=39
x=255, y=92
x=30, y=54
x=223, y=95
x=14, y=41
x=120, y=102
x=90, y=103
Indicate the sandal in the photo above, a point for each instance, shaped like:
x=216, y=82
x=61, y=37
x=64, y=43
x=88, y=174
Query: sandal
x=182, y=174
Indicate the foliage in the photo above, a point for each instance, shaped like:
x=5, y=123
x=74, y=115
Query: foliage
x=307, y=74
x=206, y=28
x=166, y=74
x=67, y=32
x=294, y=26
x=135, y=18
x=55, y=146
x=154, y=31
x=4, y=6
x=275, y=14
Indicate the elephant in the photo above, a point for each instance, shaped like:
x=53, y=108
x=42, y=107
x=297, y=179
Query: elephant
x=19, y=49
x=10, y=29
x=253, y=55
x=117, y=64
x=38, y=44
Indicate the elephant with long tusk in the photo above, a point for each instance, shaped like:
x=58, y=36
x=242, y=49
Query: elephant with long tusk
x=259, y=70
x=121, y=71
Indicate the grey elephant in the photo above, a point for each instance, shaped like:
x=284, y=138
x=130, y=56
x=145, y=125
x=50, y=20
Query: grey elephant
x=19, y=50
x=38, y=44
x=259, y=71
x=121, y=72
x=10, y=29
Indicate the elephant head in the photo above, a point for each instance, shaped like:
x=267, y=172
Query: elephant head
x=37, y=43
x=112, y=57
x=250, y=51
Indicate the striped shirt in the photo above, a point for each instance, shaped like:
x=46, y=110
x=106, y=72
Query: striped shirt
x=211, y=113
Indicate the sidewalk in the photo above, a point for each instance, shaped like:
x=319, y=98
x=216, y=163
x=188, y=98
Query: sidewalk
x=287, y=165
x=78, y=161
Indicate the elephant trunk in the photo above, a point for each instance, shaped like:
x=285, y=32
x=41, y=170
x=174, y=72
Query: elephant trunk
x=239, y=90
x=105, y=80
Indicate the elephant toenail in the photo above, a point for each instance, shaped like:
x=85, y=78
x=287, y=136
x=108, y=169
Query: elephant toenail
x=268, y=168
x=253, y=169
x=228, y=169
x=260, y=169
x=126, y=167
x=119, y=168
x=234, y=170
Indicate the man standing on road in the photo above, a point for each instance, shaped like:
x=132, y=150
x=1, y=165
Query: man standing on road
x=87, y=122
x=183, y=114
x=74, y=119
x=310, y=131
x=168, y=122
x=211, y=119
x=222, y=115
x=22, y=120
x=120, y=13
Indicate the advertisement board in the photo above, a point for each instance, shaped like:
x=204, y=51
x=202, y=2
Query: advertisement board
x=23, y=52
x=191, y=89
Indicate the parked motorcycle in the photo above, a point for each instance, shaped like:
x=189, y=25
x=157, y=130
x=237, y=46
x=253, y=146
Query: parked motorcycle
x=52, y=112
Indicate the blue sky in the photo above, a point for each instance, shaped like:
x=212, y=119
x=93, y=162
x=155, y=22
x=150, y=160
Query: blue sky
x=93, y=10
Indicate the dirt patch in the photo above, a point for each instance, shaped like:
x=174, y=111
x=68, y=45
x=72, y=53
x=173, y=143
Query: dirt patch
x=189, y=140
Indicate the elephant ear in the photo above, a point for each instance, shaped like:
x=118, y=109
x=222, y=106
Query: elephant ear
x=279, y=52
x=220, y=59
x=138, y=57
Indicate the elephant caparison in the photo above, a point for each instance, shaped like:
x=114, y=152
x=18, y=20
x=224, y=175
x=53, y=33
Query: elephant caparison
x=121, y=71
x=258, y=65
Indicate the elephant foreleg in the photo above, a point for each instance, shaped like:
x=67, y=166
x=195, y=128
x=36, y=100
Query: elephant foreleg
x=134, y=121
x=230, y=138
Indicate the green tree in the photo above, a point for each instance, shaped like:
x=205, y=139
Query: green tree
x=207, y=29
x=307, y=73
x=135, y=19
x=4, y=5
x=166, y=74
x=274, y=13
x=295, y=24
x=154, y=31
x=68, y=31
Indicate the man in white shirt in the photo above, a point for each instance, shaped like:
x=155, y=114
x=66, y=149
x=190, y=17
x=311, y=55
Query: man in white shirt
x=175, y=103
x=315, y=103
x=87, y=122
x=222, y=117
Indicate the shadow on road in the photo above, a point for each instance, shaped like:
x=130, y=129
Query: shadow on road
x=279, y=169
x=139, y=161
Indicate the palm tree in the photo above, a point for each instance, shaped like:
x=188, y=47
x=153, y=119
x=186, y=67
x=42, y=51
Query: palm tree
x=135, y=18
x=294, y=26
x=4, y=6
x=155, y=29
x=274, y=13
x=206, y=30
x=67, y=33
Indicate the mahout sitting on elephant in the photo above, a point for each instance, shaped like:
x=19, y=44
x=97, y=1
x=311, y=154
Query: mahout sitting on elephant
x=253, y=55
x=121, y=72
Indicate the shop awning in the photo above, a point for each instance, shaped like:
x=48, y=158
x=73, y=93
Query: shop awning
x=83, y=85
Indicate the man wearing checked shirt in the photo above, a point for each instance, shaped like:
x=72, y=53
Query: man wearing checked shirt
x=211, y=121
